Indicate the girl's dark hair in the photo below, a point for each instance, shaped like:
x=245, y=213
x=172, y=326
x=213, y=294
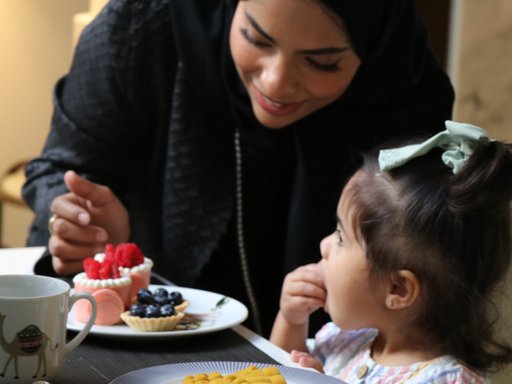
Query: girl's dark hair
x=454, y=232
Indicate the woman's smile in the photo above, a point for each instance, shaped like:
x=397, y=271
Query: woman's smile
x=276, y=107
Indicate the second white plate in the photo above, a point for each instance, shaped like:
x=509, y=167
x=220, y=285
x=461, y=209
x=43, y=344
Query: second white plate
x=231, y=313
x=174, y=373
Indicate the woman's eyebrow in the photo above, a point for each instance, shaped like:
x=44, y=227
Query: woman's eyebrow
x=319, y=51
x=323, y=51
x=257, y=27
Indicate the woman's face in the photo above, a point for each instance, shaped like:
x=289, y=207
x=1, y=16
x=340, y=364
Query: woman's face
x=292, y=56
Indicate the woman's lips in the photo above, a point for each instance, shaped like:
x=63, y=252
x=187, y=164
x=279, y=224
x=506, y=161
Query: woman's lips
x=274, y=107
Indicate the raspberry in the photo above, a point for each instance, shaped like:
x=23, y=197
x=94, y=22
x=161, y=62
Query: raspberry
x=92, y=268
x=110, y=251
x=128, y=255
x=109, y=270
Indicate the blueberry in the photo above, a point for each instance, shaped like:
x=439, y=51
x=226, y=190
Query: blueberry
x=153, y=311
x=161, y=291
x=175, y=298
x=137, y=310
x=167, y=310
x=144, y=296
x=160, y=299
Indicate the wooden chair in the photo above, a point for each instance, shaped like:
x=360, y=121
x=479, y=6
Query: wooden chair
x=10, y=189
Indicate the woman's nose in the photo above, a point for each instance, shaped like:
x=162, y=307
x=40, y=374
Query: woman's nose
x=279, y=78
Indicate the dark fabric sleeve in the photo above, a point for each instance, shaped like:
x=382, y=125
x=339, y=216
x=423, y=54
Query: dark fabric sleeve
x=110, y=109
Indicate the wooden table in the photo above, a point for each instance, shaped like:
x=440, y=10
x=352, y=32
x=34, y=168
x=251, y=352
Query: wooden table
x=100, y=360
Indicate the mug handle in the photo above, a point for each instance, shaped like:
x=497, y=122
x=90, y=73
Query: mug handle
x=75, y=341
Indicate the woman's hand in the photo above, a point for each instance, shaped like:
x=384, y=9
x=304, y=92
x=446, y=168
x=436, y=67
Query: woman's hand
x=87, y=217
x=303, y=293
x=304, y=359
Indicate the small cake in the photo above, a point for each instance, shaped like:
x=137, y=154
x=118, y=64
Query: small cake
x=133, y=263
x=155, y=312
x=112, y=296
x=112, y=278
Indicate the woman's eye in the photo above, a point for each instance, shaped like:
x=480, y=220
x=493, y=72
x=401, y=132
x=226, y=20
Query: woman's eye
x=331, y=67
x=257, y=43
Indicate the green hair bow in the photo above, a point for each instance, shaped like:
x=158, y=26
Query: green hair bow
x=458, y=141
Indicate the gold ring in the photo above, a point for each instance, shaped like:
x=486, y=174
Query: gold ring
x=50, y=223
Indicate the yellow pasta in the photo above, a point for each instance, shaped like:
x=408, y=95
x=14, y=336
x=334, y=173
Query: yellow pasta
x=248, y=375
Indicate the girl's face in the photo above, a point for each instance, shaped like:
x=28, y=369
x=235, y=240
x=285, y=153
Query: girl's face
x=351, y=301
x=292, y=56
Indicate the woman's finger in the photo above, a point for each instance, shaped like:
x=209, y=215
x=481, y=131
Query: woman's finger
x=70, y=251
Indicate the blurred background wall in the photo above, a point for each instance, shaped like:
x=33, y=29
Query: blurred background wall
x=35, y=50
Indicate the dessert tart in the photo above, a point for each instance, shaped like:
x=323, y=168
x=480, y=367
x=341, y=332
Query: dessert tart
x=155, y=311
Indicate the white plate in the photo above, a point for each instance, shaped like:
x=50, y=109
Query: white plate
x=174, y=373
x=228, y=315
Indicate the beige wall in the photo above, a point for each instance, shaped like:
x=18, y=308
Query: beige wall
x=482, y=61
x=35, y=47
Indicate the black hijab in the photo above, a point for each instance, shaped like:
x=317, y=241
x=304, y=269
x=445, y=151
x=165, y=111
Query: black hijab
x=399, y=88
x=399, y=71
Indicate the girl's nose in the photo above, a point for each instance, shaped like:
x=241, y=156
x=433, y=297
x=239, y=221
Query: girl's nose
x=279, y=78
x=324, y=247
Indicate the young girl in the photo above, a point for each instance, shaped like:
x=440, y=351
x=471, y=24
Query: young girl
x=423, y=238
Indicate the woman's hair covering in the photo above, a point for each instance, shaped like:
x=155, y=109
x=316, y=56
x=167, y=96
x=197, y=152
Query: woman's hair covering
x=392, y=42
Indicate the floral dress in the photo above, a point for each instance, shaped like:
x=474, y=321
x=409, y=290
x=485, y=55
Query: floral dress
x=346, y=355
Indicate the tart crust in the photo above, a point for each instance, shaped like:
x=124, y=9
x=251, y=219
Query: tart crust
x=152, y=324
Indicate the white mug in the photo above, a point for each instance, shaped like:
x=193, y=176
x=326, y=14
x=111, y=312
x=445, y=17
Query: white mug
x=33, y=317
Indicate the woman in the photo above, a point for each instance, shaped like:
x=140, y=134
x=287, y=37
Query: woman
x=213, y=127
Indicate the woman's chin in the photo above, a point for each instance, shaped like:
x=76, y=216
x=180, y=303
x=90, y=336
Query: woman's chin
x=274, y=121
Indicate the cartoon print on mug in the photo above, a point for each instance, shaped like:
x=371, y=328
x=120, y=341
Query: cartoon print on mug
x=30, y=341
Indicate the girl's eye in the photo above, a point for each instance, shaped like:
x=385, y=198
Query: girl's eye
x=332, y=67
x=338, y=236
x=257, y=43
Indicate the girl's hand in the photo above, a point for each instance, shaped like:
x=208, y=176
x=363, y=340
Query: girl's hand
x=87, y=217
x=306, y=360
x=303, y=293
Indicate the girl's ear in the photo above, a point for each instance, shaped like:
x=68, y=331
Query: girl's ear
x=404, y=290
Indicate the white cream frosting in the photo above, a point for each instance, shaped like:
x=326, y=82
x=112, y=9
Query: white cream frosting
x=144, y=267
x=82, y=278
